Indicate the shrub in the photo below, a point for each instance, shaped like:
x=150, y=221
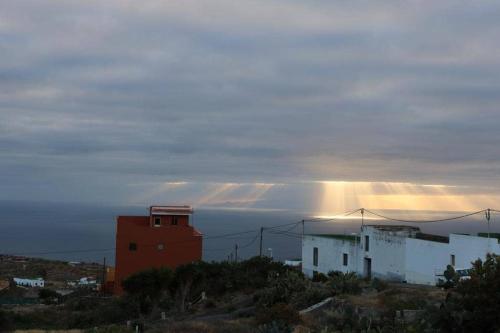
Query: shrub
x=282, y=288
x=48, y=296
x=4, y=322
x=451, y=277
x=313, y=294
x=319, y=277
x=345, y=283
x=379, y=285
x=281, y=313
x=474, y=304
x=148, y=287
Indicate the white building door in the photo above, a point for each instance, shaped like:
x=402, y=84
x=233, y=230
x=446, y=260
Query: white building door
x=367, y=268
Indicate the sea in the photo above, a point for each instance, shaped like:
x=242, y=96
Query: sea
x=86, y=232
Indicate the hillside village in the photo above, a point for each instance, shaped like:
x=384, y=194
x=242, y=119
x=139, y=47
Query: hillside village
x=368, y=282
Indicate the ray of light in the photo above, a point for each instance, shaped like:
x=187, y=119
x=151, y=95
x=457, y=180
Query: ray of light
x=216, y=194
x=157, y=192
x=340, y=196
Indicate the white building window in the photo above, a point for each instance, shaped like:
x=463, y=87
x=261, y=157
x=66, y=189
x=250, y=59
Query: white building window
x=345, y=259
x=367, y=243
x=452, y=260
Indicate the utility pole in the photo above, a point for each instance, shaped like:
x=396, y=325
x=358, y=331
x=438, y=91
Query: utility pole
x=260, y=248
x=362, y=218
x=488, y=216
x=303, y=229
x=103, y=283
x=235, y=252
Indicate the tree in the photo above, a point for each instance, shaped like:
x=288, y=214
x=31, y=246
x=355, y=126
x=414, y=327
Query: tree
x=186, y=279
x=148, y=287
x=473, y=305
x=451, y=277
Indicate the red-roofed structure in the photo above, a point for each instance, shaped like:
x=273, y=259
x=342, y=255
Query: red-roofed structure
x=164, y=238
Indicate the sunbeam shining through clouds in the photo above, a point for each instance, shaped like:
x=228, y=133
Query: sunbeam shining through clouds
x=323, y=198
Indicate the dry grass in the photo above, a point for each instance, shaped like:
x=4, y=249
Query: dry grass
x=227, y=326
x=51, y=331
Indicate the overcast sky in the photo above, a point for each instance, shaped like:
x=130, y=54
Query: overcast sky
x=101, y=100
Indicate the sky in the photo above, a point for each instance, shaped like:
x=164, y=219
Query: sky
x=270, y=103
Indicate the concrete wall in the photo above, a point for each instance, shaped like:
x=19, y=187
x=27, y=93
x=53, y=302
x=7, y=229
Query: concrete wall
x=395, y=254
x=387, y=253
x=425, y=259
x=470, y=248
x=330, y=255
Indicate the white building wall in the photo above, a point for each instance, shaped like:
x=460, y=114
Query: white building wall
x=395, y=255
x=386, y=251
x=330, y=254
x=424, y=259
x=470, y=248
x=29, y=282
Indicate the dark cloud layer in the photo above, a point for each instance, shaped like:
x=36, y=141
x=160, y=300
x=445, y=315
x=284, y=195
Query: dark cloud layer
x=95, y=96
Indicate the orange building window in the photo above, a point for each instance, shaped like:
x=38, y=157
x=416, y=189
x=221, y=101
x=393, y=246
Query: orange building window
x=157, y=221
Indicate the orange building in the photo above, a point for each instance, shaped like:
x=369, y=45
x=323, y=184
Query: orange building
x=164, y=238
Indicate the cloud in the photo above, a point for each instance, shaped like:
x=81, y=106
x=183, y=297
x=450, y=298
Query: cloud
x=95, y=95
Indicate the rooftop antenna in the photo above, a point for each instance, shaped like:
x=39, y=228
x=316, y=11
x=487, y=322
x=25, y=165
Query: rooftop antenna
x=362, y=218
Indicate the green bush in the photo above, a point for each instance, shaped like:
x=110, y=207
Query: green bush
x=345, y=283
x=319, y=277
x=314, y=293
x=473, y=305
x=147, y=287
x=451, y=278
x=282, y=288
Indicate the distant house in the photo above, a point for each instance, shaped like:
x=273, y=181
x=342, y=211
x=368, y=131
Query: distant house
x=39, y=282
x=398, y=253
x=293, y=262
x=164, y=238
x=86, y=281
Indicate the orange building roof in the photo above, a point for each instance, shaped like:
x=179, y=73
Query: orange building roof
x=166, y=210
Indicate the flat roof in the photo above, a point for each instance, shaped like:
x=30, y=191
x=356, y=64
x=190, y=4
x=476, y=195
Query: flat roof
x=491, y=235
x=385, y=227
x=350, y=238
x=432, y=238
x=166, y=210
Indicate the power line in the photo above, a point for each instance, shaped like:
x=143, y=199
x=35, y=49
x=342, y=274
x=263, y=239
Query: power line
x=424, y=221
x=269, y=229
x=251, y=242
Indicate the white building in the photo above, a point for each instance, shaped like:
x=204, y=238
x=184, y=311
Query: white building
x=398, y=253
x=30, y=282
x=85, y=281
